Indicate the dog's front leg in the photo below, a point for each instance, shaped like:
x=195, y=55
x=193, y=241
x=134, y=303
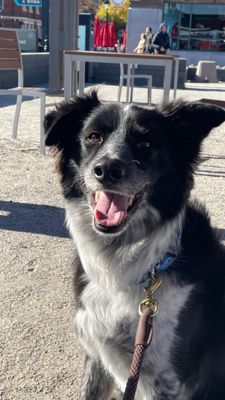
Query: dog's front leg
x=97, y=383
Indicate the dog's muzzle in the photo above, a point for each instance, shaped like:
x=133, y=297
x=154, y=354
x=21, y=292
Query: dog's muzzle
x=109, y=170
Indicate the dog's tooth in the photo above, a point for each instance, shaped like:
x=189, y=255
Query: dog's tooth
x=97, y=194
x=131, y=199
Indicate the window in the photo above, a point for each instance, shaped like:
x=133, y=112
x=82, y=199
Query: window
x=171, y=16
x=195, y=26
x=184, y=25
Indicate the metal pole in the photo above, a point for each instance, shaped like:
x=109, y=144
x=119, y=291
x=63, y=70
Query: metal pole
x=76, y=21
x=63, y=32
x=45, y=25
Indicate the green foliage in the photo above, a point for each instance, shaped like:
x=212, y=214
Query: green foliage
x=117, y=14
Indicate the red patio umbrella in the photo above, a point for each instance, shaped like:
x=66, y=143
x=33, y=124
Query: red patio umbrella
x=97, y=31
x=105, y=34
x=112, y=34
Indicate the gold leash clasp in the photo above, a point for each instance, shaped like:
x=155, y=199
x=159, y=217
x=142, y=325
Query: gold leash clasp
x=149, y=301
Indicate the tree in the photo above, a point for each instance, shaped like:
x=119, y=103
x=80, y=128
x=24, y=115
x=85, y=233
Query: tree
x=89, y=6
x=117, y=14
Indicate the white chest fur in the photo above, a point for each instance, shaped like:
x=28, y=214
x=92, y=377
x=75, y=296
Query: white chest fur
x=107, y=321
x=97, y=324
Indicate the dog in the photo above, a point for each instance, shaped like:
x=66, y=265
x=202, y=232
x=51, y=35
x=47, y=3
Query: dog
x=126, y=174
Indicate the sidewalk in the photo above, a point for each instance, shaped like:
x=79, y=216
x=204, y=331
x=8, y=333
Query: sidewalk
x=29, y=119
x=40, y=355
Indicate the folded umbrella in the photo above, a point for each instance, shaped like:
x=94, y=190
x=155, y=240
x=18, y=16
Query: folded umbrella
x=97, y=31
x=105, y=34
x=112, y=34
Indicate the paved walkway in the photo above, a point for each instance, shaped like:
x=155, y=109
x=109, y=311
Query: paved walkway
x=39, y=353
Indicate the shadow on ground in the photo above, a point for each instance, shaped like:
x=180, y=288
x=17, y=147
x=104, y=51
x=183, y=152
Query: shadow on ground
x=6, y=101
x=211, y=169
x=33, y=218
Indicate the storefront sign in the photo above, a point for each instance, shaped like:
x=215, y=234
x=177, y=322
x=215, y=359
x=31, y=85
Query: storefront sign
x=117, y=2
x=34, y=3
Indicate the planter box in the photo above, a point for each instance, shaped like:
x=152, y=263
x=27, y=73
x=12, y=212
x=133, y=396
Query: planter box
x=221, y=74
x=191, y=73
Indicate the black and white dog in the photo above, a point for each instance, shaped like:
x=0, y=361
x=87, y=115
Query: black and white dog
x=126, y=174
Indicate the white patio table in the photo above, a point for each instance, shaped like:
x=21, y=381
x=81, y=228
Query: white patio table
x=77, y=59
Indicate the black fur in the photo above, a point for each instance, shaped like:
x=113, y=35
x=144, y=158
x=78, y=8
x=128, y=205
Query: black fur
x=160, y=146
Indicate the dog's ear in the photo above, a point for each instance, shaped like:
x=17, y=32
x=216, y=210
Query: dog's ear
x=190, y=123
x=195, y=118
x=63, y=124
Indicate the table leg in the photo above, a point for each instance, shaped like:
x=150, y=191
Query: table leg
x=81, y=82
x=167, y=81
x=176, y=71
x=74, y=79
x=68, y=71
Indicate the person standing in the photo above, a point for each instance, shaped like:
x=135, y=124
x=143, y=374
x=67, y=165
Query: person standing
x=161, y=40
x=141, y=44
x=148, y=42
x=40, y=45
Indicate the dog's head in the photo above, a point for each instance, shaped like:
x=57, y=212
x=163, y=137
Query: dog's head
x=128, y=163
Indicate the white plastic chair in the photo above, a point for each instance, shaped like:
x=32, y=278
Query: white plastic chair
x=10, y=59
x=130, y=77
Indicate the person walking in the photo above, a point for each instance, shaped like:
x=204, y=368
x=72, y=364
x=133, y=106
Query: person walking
x=161, y=40
x=141, y=44
x=40, y=45
x=148, y=42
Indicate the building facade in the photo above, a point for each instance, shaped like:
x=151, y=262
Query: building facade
x=196, y=27
x=20, y=17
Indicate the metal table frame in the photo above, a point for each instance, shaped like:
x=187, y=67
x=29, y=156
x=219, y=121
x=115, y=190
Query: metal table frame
x=75, y=59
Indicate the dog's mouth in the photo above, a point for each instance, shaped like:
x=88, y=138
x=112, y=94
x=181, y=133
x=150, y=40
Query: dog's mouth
x=111, y=209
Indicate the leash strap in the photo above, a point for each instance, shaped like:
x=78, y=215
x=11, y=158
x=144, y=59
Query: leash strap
x=142, y=341
x=148, y=308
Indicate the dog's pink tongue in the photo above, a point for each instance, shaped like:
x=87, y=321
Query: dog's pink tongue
x=110, y=209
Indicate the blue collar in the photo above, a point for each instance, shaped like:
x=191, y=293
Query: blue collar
x=166, y=261
x=170, y=256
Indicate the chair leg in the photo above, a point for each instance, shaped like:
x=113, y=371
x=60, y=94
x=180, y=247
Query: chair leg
x=42, y=116
x=128, y=92
x=131, y=89
x=17, y=115
x=120, y=89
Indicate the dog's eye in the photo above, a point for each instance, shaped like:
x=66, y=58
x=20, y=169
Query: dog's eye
x=95, y=138
x=144, y=145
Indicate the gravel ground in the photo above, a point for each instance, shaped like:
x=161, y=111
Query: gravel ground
x=40, y=356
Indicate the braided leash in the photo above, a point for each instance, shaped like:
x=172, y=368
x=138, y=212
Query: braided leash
x=142, y=341
x=148, y=308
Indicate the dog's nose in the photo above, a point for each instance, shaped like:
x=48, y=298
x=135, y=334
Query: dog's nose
x=109, y=170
